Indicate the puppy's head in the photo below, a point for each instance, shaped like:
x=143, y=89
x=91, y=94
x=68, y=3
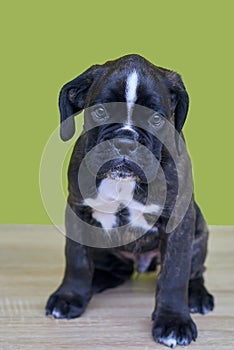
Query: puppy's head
x=124, y=100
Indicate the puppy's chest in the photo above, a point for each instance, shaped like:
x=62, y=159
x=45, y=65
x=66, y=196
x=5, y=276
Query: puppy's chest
x=116, y=205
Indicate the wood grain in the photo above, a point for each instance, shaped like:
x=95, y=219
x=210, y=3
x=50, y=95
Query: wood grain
x=32, y=264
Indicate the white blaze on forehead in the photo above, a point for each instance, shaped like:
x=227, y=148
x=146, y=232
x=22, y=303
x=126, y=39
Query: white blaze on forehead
x=131, y=92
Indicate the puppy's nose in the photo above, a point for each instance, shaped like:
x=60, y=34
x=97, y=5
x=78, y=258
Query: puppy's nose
x=125, y=145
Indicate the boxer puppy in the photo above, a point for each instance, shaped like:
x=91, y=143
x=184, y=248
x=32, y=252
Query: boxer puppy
x=129, y=103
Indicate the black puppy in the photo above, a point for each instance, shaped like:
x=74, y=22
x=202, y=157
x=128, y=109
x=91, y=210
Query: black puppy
x=129, y=104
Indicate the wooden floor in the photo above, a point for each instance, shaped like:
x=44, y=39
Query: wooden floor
x=31, y=267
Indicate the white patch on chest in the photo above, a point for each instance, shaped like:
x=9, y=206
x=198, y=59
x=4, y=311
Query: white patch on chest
x=131, y=92
x=115, y=192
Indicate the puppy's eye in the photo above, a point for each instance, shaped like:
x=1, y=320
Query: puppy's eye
x=99, y=113
x=156, y=120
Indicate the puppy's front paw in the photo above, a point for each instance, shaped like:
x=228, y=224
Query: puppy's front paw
x=200, y=301
x=66, y=305
x=171, y=329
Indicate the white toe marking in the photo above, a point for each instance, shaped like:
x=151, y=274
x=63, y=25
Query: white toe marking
x=131, y=92
x=170, y=340
x=56, y=313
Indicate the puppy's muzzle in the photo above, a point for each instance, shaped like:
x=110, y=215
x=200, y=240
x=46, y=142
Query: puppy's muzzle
x=120, y=153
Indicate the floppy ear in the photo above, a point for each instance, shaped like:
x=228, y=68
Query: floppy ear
x=72, y=100
x=179, y=103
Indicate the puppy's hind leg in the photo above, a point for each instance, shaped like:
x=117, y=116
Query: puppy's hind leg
x=200, y=300
x=109, y=270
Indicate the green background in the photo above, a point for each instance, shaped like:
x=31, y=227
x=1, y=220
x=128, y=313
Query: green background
x=46, y=43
